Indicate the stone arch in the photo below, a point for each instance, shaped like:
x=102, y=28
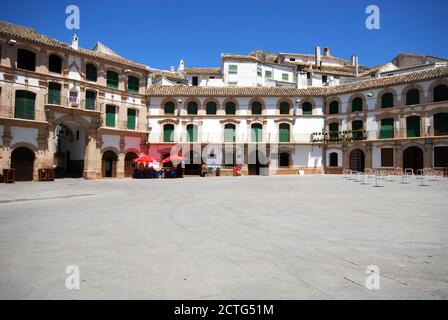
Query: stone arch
x=380, y=94
x=199, y=106
x=261, y=101
x=352, y=98
x=412, y=86
x=109, y=159
x=287, y=100
x=23, y=160
x=332, y=99
x=433, y=85
x=230, y=99
x=311, y=101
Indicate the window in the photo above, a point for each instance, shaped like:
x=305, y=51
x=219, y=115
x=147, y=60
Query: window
x=284, y=159
x=412, y=97
x=54, y=63
x=334, y=107
x=387, y=157
x=91, y=73
x=284, y=107
x=168, y=108
x=259, y=71
x=112, y=79
x=229, y=132
x=232, y=83
x=256, y=132
x=195, y=81
x=192, y=133
x=413, y=126
x=210, y=108
x=26, y=60
x=54, y=93
x=440, y=93
x=132, y=119
x=230, y=107
x=24, y=105
x=133, y=84
x=441, y=156
x=90, y=100
x=284, y=135
x=307, y=108
x=357, y=130
x=334, y=131
x=441, y=124
x=387, y=128
x=110, y=116
x=357, y=104
x=334, y=162
x=233, y=69
x=324, y=79
x=285, y=76
x=292, y=59
x=387, y=100
x=192, y=108
x=256, y=108
x=168, y=133
x=268, y=74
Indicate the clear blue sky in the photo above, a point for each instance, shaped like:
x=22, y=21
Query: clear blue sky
x=161, y=32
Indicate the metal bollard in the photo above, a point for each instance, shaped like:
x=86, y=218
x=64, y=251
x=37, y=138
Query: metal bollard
x=424, y=181
x=378, y=181
x=405, y=179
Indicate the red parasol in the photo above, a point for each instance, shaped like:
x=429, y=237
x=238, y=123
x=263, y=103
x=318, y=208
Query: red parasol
x=144, y=158
x=173, y=158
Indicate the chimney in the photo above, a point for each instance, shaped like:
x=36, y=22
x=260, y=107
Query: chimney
x=326, y=52
x=75, y=42
x=353, y=60
x=172, y=68
x=317, y=56
x=181, y=66
x=356, y=66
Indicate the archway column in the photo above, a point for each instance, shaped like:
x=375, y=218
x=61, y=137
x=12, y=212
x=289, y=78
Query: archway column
x=120, y=166
x=368, y=156
x=92, y=158
x=428, y=155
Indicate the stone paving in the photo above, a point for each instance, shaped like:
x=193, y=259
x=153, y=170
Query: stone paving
x=278, y=237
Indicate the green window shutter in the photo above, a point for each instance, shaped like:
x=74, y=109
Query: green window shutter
x=91, y=73
x=412, y=97
x=268, y=74
x=334, y=131
x=284, y=108
x=413, y=126
x=133, y=84
x=357, y=105
x=168, y=133
x=357, y=128
x=54, y=93
x=334, y=107
x=110, y=116
x=284, y=135
x=285, y=76
x=90, y=100
x=441, y=124
x=387, y=128
x=24, y=105
x=440, y=93
x=233, y=69
x=112, y=79
x=169, y=108
x=132, y=119
x=192, y=108
x=229, y=133
x=387, y=100
x=256, y=107
x=259, y=71
x=211, y=108
x=256, y=131
x=307, y=108
x=230, y=108
x=192, y=133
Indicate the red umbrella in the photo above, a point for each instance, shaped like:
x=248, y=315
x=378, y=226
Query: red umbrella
x=173, y=158
x=144, y=158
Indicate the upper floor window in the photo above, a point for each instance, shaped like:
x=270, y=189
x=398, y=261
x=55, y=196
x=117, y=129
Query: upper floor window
x=210, y=108
x=357, y=104
x=284, y=134
x=412, y=97
x=168, y=108
x=230, y=107
x=232, y=83
x=54, y=93
x=307, y=108
x=90, y=100
x=133, y=84
x=91, y=73
x=112, y=79
x=334, y=107
x=229, y=132
x=387, y=100
x=132, y=119
x=324, y=79
x=268, y=74
x=259, y=71
x=192, y=108
x=195, y=81
x=256, y=107
x=26, y=60
x=111, y=115
x=285, y=76
x=192, y=133
x=233, y=69
x=24, y=105
x=284, y=107
x=54, y=63
x=440, y=93
x=168, y=132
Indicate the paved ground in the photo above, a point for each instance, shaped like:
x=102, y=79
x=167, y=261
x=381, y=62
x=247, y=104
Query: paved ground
x=308, y=237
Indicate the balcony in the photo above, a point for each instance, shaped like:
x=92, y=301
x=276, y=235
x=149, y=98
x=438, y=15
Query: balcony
x=93, y=105
x=8, y=112
x=340, y=136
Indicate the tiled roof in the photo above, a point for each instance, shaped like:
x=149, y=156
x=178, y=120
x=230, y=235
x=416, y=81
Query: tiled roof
x=240, y=57
x=215, y=71
x=383, y=82
x=20, y=32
